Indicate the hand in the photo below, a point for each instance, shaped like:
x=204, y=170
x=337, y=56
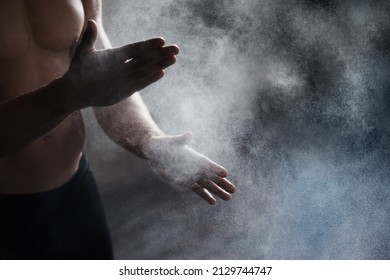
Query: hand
x=103, y=78
x=177, y=163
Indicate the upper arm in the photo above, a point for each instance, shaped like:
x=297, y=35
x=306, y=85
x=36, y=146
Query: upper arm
x=93, y=10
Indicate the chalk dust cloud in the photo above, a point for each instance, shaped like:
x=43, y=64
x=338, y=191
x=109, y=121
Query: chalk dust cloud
x=293, y=98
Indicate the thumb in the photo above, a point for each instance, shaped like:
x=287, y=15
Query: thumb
x=88, y=39
x=179, y=140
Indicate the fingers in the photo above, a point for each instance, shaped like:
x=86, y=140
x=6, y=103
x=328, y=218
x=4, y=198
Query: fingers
x=163, y=57
x=221, y=188
x=203, y=193
x=215, y=189
x=147, y=81
x=225, y=184
x=144, y=77
x=164, y=62
x=140, y=64
x=145, y=74
x=149, y=50
x=135, y=49
x=214, y=168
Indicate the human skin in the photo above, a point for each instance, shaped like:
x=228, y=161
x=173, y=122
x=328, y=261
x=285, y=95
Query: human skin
x=50, y=69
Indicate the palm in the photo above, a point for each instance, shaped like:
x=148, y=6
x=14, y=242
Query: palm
x=183, y=166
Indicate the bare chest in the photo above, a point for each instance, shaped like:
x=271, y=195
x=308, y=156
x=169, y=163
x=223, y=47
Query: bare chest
x=50, y=25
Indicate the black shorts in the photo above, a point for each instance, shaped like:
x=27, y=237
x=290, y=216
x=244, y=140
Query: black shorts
x=65, y=223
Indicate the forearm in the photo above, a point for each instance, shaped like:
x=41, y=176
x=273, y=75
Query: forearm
x=29, y=116
x=128, y=124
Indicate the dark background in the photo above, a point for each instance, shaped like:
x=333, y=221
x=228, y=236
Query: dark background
x=292, y=97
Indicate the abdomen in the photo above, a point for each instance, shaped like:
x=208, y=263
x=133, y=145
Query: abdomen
x=46, y=163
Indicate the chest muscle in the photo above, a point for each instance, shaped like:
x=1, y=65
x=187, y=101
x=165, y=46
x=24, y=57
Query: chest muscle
x=51, y=25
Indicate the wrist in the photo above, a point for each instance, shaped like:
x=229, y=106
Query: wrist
x=68, y=94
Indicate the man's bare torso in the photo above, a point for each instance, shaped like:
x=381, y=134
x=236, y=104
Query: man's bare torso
x=36, y=41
